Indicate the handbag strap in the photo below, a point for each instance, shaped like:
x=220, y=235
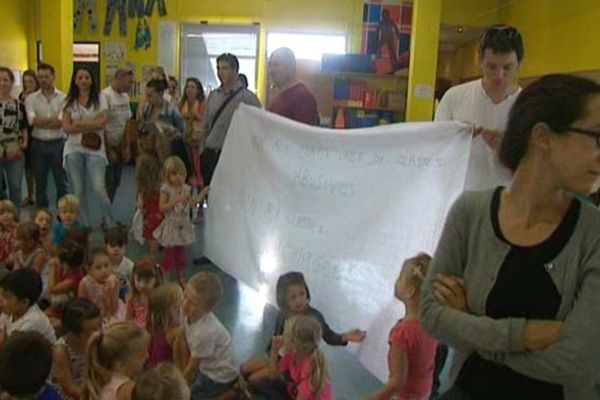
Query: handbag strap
x=222, y=107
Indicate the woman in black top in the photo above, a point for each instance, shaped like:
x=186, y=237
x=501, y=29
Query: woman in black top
x=13, y=137
x=552, y=143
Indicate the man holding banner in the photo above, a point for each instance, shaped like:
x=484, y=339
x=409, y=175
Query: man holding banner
x=486, y=102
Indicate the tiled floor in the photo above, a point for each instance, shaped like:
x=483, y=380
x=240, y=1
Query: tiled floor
x=241, y=309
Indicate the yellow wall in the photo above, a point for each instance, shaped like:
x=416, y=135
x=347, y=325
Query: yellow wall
x=14, y=32
x=559, y=36
x=470, y=12
x=308, y=15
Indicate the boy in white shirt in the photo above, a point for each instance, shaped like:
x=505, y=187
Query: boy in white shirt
x=210, y=370
x=21, y=291
x=115, y=243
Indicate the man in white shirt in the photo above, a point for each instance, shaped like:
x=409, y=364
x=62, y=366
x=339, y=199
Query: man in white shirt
x=119, y=112
x=44, y=108
x=486, y=102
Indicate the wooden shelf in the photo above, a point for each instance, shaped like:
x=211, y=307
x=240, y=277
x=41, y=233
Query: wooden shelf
x=403, y=73
x=358, y=105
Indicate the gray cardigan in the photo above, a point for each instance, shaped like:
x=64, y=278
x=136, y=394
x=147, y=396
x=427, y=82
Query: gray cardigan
x=469, y=248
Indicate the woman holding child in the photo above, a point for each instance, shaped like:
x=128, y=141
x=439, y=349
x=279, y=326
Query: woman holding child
x=515, y=281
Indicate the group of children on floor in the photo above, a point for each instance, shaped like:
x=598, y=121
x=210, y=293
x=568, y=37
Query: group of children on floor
x=125, y=333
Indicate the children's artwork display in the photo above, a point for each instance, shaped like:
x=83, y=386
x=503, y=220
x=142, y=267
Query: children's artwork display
x=386, y=33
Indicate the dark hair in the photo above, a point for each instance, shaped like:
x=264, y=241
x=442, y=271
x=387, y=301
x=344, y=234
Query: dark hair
x=79, y=235
x=95, y=252
x=556, y=100
x=11, y=75
x=231, y=60
x=502, y=39
x=47, y=67
x=159, y=85
x=25, y=363
x=75, y=312
x=24, y=283
x=31, y=73
x=74, y=90
x=71, y=253
x=284, y=282
x=244, y=79
x=116, y=236
x=145, y=268
x=200, y=96
x=171, y=78
x=37, y=210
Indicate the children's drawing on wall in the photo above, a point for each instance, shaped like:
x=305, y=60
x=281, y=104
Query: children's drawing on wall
x=115, y=52
x=386, y=34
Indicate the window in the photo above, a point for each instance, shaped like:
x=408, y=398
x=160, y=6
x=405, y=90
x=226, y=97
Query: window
x=307, y=46
x=201, y=44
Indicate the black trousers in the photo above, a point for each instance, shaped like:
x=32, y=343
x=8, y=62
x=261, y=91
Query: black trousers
x=208, y=160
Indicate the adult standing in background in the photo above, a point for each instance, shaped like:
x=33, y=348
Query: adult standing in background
x=220, y=106
x=173, y=90
x=191, y=107
x=13, y=137
x=30, y=85
x=48, y=139
x=119, y=112
x=486, y=102
x=294, y=100
x=84, y=120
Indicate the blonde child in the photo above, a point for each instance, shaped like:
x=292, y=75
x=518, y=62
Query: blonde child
x=147, y=181
x=176, y=230
x=303, y=363
x=80, y=320
x=165, y=382
x=210, y=367
x=66, y=271
x=167, y=343
x=68, y=213
x=115, y=243
x=146, y=275
x=42, y=217
x=293, y=298
x=112, y=358
x=8, y=224
x=411, y=357
x=30, y=253
x=102, y=288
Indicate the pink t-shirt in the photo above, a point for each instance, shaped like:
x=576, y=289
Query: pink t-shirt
x=138, y=308
x=420, y=348
x=300, y=378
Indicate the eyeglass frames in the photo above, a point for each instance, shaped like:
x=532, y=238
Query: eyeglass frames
x=587, y=132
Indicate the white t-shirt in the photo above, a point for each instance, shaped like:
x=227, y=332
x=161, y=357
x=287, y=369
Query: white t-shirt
x=209, y=340
x=78, y=113
x=38, y=105
x=123, y=270
x=470, y=103
x=33, y=320
x=119, y=113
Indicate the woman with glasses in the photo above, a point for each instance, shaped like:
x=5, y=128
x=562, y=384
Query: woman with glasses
x=514, y=286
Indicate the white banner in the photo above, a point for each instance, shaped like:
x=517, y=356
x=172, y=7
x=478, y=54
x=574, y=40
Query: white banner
x=343, y=208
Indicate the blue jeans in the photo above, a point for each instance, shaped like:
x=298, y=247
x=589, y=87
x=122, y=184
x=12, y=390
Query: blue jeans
x=90, y=167
x=205, y=388
x=47, y=156
x=14, y=174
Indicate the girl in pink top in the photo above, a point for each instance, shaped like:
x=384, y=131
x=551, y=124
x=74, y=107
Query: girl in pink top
x=102, y=288
x=166, y=341
x=411, y=358
x=146, y=275
x=303, y=365
x=112, y=358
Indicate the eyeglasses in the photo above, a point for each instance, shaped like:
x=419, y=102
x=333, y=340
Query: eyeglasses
x=587, y=132
x=508, y=31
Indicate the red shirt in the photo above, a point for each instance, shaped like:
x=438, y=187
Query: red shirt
x=297, y=103
x=420, y=348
